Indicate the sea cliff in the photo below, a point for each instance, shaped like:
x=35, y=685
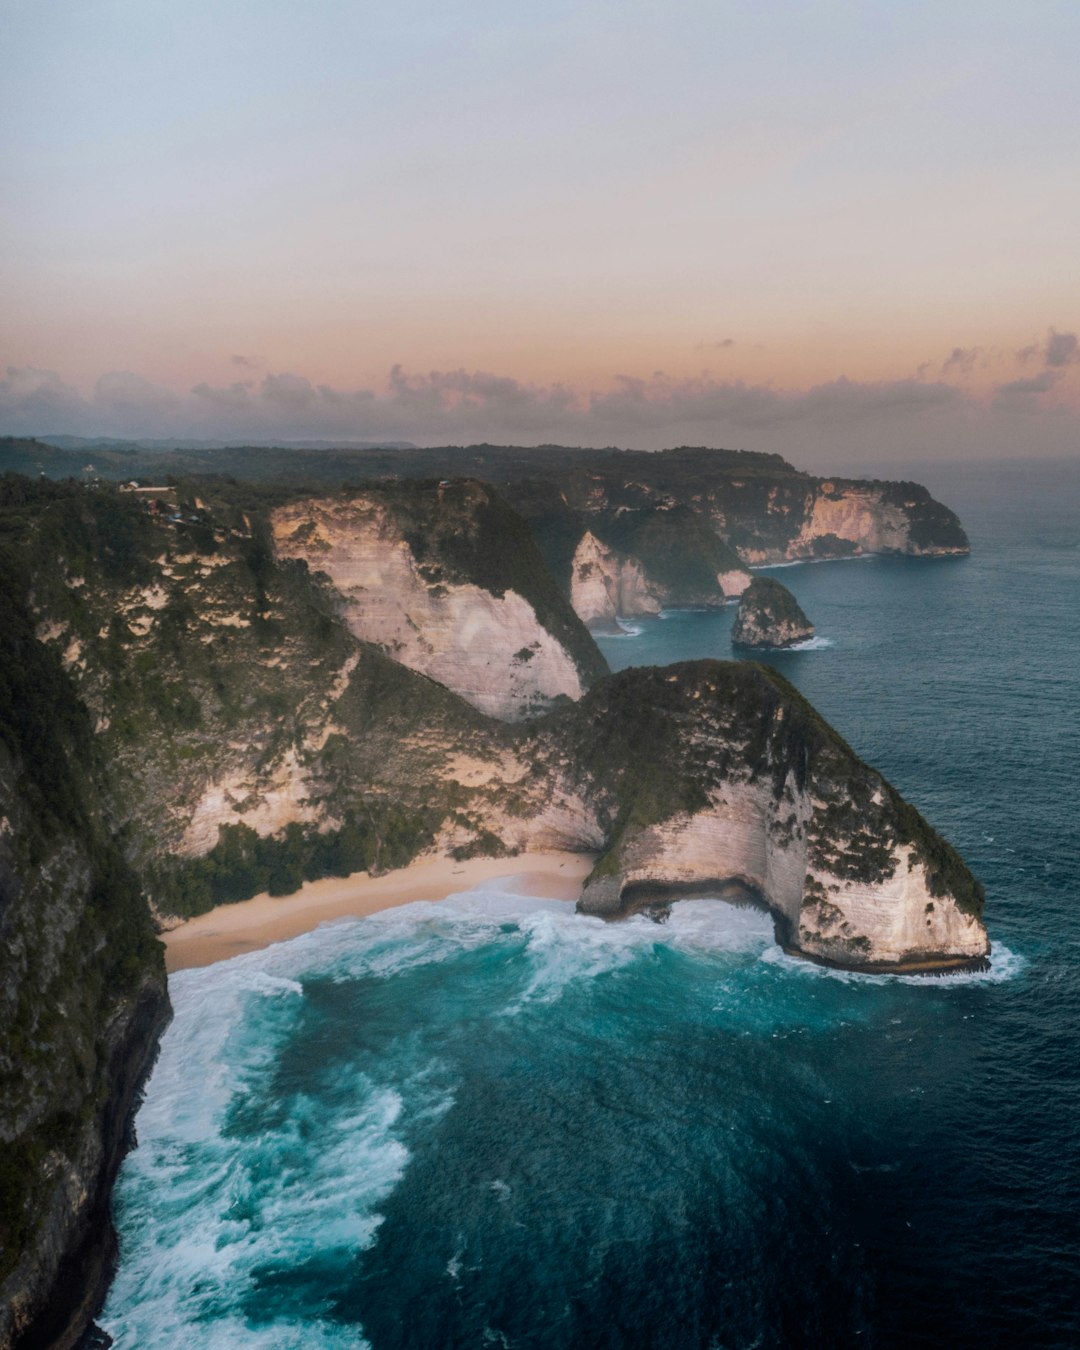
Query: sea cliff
x=748, y=792
x=82, y=991
x=687, y=521
x=449, y=583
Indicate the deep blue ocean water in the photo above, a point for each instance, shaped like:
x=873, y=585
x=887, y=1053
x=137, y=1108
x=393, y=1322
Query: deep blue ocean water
x=494, y=1123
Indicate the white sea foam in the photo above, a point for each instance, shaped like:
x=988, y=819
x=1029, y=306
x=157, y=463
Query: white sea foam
x=208, y=1205
x=1005, y=964
x=240, y=1178
x=811, y=562
x=814, y=644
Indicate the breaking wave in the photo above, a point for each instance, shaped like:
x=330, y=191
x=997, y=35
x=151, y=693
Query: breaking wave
x=304, y=1093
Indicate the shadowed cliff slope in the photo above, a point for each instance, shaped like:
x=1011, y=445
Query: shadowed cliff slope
x=82, y=986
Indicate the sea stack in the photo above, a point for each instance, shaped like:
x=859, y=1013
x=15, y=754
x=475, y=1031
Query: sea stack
x=769, y=617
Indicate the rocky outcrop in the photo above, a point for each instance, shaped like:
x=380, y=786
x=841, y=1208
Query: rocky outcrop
x=757, y=504
x=672, y=560
x=486, y=642
x=846, y=519
x=748, y=793
x=605, y=584
x=761, y=507
x=769, y=617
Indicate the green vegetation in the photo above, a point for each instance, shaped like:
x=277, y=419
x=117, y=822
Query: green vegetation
x=947, y=873
x=74, y=922
x=244, y=863
x=760, y=500
x=676, y=547
x=933, y=525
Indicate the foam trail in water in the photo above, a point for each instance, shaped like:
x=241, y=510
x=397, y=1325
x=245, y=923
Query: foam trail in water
x=226, y=1188
x=1005, y=964
x=810, y=562
x=814, y=644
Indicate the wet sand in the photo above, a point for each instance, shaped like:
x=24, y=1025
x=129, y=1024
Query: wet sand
x=252, y=924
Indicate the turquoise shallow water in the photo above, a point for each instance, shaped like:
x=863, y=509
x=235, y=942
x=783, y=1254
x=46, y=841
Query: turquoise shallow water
x=493, y=1122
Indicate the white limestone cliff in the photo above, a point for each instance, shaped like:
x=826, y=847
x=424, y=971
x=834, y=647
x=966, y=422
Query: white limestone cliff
x=744, y=846
x=857, y=515
x=783, y=814
x=605, y=584
x=733, y=583
x=492, y=650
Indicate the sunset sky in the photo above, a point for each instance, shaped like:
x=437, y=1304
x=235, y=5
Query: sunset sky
x=833, y=228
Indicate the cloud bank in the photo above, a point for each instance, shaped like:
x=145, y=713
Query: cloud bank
x=842, y=421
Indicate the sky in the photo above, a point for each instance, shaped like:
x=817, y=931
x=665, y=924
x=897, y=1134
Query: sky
x=838, y=229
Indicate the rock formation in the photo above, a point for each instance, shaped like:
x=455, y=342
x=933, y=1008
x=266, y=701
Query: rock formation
x=82, y=991
x=475, y=631
x=759, y=505
x=746, y=791
x=606, y=585
x=769, y=617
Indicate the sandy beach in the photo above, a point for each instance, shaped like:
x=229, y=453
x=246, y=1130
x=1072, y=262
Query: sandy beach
x=252, y=924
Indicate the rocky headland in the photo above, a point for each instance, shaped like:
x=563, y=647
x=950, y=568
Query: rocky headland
x=227, y=689
x=623, y=533
x=769, y=617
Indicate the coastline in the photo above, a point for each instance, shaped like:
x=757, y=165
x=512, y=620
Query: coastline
x=250, y=925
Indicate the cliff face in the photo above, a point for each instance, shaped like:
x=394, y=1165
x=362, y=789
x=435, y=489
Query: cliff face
x=253, y=738
x=629, y=561
x=485, y=642
x=837, y=518
x=757, y=504
x=747, y=791
x=769, y=617
x=82, y=991
x=766, y=515
x=605, y=584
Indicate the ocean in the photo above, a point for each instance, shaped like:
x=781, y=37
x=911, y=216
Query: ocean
x=491, y=1122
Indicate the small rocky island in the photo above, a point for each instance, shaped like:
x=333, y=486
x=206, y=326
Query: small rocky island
x=769, y=617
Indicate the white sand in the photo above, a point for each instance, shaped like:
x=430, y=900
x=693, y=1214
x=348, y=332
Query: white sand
x=252, y=924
